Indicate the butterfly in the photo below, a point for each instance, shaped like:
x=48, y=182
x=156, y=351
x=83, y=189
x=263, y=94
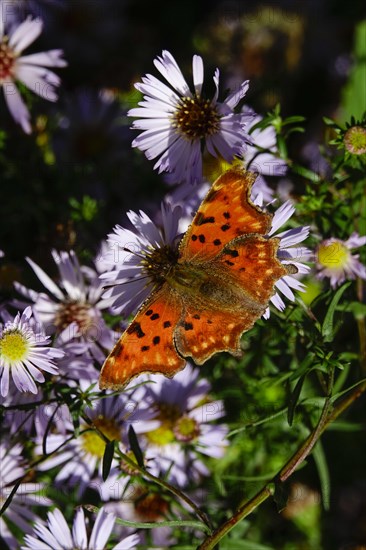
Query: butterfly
x=212, y=290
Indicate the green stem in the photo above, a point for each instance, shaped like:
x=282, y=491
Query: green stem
x=299, y=456
x=361, y=324
x=144, y=473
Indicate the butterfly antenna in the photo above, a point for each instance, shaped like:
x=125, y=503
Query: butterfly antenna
x=134, y=253
x=142, y=278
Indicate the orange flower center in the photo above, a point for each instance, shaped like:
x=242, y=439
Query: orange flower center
x=7, y=57
x=151, y=507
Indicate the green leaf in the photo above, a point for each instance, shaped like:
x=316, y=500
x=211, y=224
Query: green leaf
x=323, y=472
x=135, y=447
x=107, y=459
x=305, y=172
x=153, y=524
x=294, y=399
x=327, y=327
x=293, y=119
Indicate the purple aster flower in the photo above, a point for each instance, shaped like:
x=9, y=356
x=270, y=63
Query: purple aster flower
x=81, y=457
x=24, y=353
x=91, y=129
x=30, y=70
x=178, y=123
x=288, y=253
x=57, y=534
x=336, y=261
x=130, y=254
x=27, y=413
x=19, y=512
x=186, y=432
x=262, y=156
x=72, y=309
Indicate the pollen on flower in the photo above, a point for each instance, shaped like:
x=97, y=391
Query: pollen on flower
x=13, y=346
x=196, y=118
x=74, y=312
x=186, y=429
x=7, y=57
x=355, y=140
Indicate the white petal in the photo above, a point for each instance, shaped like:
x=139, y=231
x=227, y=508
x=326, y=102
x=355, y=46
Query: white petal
x=52, y=58
x=198, y=73
x=45, y=280
x=25, y=34
x=16, y=106
x=169, y=68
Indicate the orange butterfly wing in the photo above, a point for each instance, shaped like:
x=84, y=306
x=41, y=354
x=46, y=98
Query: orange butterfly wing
x=147, y=344
x=225, y=213
x=200, y=334
x=241, y=283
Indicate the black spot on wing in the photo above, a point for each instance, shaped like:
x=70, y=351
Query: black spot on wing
x=117, y=350
x=211, y=195
x=155, y=316
x=225, y=227
x=188, y=326
x=201, y=219
x=227, y=215
x=217, y=242
x=135, y=327
x=156, y=340
x=145, y=348
x=149, y=312
x=167, y=324
x=201, y=238
x=231, y=252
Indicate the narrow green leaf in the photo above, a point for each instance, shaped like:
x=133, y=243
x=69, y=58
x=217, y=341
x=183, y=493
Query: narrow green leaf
x=107, y=459
x=153, y=524
x=323, y=472
x=135, y=447
x=282, y=147
x=294, y=399
x=327, y=326
x=293, y=119
x=305, y=172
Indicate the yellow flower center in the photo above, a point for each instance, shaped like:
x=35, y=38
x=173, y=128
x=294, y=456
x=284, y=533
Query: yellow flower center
x=93, y=442
x=168, y=415
x=195, y=118
x=333, y=255
x=13, y=346
x=186, y=429
x=7, y=57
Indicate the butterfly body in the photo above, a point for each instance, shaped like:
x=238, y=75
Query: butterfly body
x=207, y=293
